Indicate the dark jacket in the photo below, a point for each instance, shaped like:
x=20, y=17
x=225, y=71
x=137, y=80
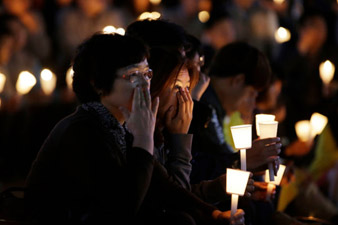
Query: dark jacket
x=81, y=177
x=211, y=154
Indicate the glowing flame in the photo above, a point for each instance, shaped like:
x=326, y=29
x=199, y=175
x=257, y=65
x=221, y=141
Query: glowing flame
x=203, y=16
x=69, y=77
x=109, y=29
x=25, y=82
x=149, y=15
x=120, y=31
x=326, y=71
x=155, y=2
x=282, y=35
x=279, y=1
x=318, y=123
x=2, y=82
x=48, y=81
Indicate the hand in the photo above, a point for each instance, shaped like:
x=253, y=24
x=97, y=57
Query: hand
x=263, y=151
x=260, y=192
x=200, y=87
x=225, y=217
x=178, y=121
x=250, y=188
x=141, y=119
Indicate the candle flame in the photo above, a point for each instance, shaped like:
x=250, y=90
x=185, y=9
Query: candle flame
x=2, y=82
x=304, y=130
x=25, y=82
x=279, y=1
x=149, y=15
x=69, y=77
x=48, y=81
x=109, y=29
x=318, y=123
x=155, y=2
x=282, y=35
x=203, y=16
x=326, y=71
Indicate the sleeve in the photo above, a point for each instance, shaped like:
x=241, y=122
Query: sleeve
x=175, y=196
x=211, y=191
x=178, y=164
x=84, y=174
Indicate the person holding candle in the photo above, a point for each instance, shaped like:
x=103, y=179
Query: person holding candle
x=97, y=164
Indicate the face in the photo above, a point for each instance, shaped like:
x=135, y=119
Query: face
x=92, y=7
x=6, y=49
x=124, y=85
x=222, y=33
x=168, y=96
x=247, y=102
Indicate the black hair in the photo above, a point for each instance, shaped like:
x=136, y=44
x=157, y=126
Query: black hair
x=241, y=58
x=194, y=46
x=158, y=33
x=97, y=61
x=216, y=15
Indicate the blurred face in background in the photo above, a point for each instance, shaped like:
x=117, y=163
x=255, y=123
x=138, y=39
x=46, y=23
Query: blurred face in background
x=6, y=49
x=314, y=31
x=17, y=7
x=92, y=7
x=221, y=33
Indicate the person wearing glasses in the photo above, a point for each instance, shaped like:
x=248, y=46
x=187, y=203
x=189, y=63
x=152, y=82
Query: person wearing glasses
x=97, y=164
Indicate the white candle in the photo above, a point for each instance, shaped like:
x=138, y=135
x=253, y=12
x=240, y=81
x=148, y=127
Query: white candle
x=2, y=82
x=326, y=71
x=234, y=203
x=243, y=159
x=263, y=118
x=318, y=123
x=242, y=137
x=268, y=130
x=48, y=81
x=25, y=82
x=304, y=130
x=282, y=35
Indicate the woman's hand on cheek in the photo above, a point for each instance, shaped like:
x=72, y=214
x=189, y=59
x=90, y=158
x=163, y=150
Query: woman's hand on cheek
x=178, y=121
x=141, y=120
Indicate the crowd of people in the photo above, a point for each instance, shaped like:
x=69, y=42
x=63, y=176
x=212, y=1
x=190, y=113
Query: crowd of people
x=136, y=128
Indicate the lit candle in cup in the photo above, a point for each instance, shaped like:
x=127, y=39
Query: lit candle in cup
x=25, y=82
x=48, y=81
x=304, y=131
x=326, y=71
x=268, y=130
x=2, y=82
x=242, y=136
x=318, y=123
x=263, y=118
x=236, y=185
x=276, y=181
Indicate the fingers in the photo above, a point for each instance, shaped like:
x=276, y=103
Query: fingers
x=267, y=141
x=238, y=218
x=276, y=164
x=147, y=97
x=170, y=114
x=136, y=99
x=154, y=107
x=273, y=150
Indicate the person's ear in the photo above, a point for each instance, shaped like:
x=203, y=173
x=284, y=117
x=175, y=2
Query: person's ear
x=238, y=80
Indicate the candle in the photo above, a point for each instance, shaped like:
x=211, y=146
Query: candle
x=149, y=15
x=304, y=130
x=326, y=71
x=263, y=118
x=242, y=137
x=318, y=123
x=276, y=181
x=282, y=35
x=48, y=81
x=268, y=130
x=155, y=2
x=2, y=82
x=236, y=182
x=69, y=77
x=25, y=82
x=203, y=16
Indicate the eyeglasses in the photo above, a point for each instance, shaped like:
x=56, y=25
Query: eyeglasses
x=134, y=76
